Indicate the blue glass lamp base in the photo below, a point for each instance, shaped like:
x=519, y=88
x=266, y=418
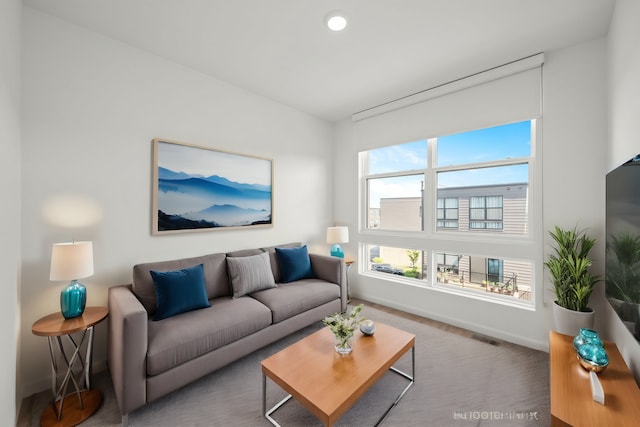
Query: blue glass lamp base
x=73, y=299
x=337, y=251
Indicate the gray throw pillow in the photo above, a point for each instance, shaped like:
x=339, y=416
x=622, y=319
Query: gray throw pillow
x=250, y=274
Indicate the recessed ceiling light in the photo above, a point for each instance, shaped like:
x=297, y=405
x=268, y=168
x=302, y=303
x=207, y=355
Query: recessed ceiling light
x=336, y=20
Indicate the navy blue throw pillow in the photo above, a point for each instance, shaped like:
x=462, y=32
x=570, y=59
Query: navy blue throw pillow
x=179, y=291
x=294, y=264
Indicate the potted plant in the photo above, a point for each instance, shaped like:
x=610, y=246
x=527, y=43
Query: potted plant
x=569, y=266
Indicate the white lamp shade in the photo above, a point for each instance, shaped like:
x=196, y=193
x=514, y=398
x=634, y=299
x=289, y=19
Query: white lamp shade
x=337, y=235
x=71, y=261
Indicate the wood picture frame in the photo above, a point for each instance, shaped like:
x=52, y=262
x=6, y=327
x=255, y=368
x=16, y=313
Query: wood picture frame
x=198, y=188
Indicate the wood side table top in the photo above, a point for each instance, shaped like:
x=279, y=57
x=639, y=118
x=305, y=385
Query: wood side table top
x=55, y=324
x=571, y=400
x=327, y=383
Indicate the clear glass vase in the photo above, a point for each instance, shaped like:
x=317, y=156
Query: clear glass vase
x=343, y=345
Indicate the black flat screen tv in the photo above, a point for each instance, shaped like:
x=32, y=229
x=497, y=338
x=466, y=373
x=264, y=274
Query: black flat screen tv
x=622, y=281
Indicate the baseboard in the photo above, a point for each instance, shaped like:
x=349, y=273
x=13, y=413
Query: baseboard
x=490, y=332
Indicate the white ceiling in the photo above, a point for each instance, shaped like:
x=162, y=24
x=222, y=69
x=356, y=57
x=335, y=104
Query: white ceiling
x=392, y=48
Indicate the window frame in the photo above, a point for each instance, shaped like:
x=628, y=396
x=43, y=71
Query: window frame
x=481, y=242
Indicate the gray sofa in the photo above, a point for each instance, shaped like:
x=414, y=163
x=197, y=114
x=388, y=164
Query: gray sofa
x=150, y=358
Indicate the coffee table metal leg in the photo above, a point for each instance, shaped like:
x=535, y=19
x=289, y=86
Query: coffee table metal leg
x=267, y=414
x=411, y=379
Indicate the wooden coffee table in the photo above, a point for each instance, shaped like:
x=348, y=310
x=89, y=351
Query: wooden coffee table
x=328, y=384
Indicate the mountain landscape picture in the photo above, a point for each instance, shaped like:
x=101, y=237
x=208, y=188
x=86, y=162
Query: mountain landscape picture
x=198, y=188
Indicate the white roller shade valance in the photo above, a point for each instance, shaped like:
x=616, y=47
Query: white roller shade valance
x=501, y=95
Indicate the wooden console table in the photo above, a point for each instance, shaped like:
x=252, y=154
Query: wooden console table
x=571, y=400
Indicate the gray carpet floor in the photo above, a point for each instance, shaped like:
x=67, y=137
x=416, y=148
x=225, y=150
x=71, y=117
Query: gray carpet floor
x=459, y=381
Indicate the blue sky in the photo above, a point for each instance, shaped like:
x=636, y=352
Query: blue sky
x=501, y=142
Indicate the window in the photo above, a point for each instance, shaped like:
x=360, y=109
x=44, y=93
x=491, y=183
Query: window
x=400, y=262
x=394, y=188
x=494, y=270
x=485, y=212
x=483, y=173
x=427, y=192
x=490, y=276
x=447, y=214
x=448, y=263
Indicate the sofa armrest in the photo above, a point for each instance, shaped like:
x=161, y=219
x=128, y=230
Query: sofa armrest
x=331, y=269
x=127, y=348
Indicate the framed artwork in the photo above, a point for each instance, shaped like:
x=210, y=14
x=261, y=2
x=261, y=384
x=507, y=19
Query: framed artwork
x=201, y=189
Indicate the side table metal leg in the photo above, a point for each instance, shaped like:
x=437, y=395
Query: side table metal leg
x=60, y=390
x=87, y=361
x=54, y=374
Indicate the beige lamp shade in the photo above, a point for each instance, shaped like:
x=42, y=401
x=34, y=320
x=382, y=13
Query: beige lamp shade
x=71, y=261
x=337, y=235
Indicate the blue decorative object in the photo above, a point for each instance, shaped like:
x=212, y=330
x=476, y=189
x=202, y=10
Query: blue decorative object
x=593, y=357
x=294, y=264
x=336, y=251
x=587, y=336
x=179, y=291
x=73, y=299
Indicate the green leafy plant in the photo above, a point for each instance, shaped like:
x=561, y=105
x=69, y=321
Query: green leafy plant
x=569, y=266
x=413, y=258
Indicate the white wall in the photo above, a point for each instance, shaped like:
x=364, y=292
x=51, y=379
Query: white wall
x=10, y=12
x=623, y=84
x=91, y=108
x=574, y=131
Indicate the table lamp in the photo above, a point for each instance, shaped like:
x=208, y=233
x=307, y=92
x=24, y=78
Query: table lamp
x=72, y=261
x=335, y=236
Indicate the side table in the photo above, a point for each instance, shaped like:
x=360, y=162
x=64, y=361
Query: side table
x=73, y=407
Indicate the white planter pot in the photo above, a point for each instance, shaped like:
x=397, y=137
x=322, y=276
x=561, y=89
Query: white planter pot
x=569, y=322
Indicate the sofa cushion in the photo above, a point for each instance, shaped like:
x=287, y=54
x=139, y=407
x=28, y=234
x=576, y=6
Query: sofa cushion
x=181, y=338
x=275, y=267
x=294, y=264
x=250, y=274
x=215, y=277
x=290, y=299
x=179, y=291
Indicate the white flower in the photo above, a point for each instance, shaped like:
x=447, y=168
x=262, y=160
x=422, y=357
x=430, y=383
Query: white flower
x=343, y=325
